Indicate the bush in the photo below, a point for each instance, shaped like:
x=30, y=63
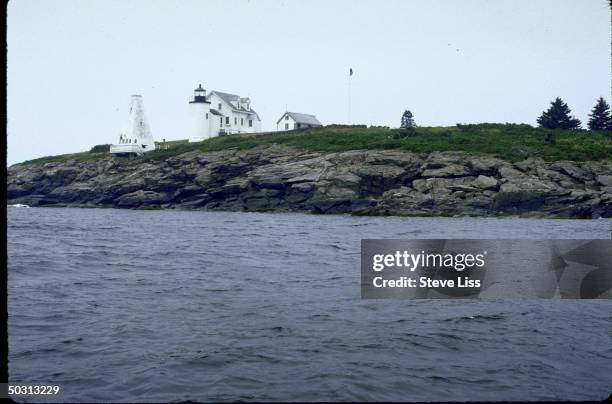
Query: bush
x=506, y=141
x=101, y=148
x=340, y=125
x=404, y=133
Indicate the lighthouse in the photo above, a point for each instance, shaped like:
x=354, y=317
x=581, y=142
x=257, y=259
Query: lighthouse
x=135, y=136
x=199, y=105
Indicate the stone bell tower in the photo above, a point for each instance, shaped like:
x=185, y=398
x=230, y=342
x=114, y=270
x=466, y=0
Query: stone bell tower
x=135, y=136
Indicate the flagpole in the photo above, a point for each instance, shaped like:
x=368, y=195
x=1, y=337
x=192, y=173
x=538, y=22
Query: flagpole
x=349, y=97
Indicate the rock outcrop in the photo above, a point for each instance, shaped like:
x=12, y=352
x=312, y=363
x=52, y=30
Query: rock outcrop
x=278, y=178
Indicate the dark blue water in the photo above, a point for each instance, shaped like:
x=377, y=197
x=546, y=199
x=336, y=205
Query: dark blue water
x=121, y=305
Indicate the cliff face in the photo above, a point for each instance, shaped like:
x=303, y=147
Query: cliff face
x=284, y=179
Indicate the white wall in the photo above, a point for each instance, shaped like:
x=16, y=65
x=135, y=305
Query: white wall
x=235, y=125
x=284, y=121
x=256, y=125
x=199, y=125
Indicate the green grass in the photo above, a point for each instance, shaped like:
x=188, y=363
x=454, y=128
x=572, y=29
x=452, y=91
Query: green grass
x=507, y=141
x=62, y=158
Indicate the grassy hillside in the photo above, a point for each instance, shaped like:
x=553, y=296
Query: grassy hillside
x=508, y=141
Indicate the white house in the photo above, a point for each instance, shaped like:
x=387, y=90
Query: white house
x=135, y=136
x=294, y=120
x=220, y=113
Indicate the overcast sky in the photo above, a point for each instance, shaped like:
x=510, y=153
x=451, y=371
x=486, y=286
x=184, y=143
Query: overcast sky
x=72, y=65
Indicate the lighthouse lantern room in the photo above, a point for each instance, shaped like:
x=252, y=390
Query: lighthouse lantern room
x=199, y=94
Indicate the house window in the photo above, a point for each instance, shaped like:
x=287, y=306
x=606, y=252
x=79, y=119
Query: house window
x=299, y=125
x=220, y=106
x=235, y=121
x=241, y=121
x=286, y=117
x=135, y=140
x=220, y=121
x=286, y=126
x=207, y=115
x=250, y=122
x=227, y=120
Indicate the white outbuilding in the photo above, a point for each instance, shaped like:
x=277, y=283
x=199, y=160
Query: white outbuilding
x=135, y=136
x=295, y=120
x=220, y=113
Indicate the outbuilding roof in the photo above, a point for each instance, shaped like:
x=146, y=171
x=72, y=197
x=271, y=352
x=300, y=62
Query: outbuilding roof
x=302, y=118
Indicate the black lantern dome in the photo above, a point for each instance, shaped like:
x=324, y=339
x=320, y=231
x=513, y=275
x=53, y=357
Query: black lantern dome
x=199, y=94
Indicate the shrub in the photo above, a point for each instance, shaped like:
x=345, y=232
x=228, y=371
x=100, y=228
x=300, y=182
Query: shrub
x=404, y=133
x=506, y=141
x=341, y=125
x=101, y=148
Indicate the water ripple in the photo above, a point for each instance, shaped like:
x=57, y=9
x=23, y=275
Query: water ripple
x=222, y=306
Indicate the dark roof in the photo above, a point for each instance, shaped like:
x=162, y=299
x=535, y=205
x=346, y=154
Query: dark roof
x=229, y=98
x=215, y=112
x=199, y=88
x=302, y=118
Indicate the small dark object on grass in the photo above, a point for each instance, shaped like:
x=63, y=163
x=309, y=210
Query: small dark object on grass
x=100, y=148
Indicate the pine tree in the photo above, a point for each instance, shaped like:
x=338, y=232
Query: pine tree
x=558, y=117
x=601, y=118
x=407, y=120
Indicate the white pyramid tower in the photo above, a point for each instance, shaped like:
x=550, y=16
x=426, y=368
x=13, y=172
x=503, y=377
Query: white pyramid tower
x=135, y=136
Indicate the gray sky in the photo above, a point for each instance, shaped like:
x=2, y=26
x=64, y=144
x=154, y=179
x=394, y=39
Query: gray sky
x=72, y=65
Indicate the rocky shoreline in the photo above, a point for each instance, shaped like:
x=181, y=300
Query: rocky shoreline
x=365, y=182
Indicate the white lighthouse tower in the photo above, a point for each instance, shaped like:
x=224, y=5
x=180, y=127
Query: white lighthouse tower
x=135, y=136
x=199, y=105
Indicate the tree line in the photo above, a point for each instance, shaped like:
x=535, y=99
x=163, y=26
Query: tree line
x=557, y=116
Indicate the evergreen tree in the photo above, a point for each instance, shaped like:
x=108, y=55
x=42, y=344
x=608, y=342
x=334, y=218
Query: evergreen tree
x=407, y=120
x=558, y=117
x=601, y=119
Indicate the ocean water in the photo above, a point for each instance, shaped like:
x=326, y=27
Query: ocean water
x=120, y=305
